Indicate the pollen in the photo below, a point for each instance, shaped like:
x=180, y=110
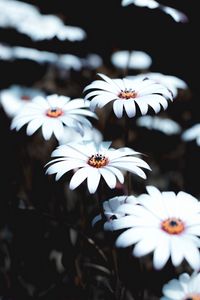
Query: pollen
x=193, y=297
x=173, y=226
x=127, y=94
x=97, y=161
x=54, y=112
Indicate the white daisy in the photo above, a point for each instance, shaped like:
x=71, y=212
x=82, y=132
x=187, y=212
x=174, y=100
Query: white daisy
x=92, y=161
x=186, y=287
x=52, y=114
x=132, y=59
x=165, y=125
x=176, y=15
x=126, y=93
x=165, y=223
x=15, y=97
x=110, y=210
x=192, y=133
x=89, y=134
x=173, y=83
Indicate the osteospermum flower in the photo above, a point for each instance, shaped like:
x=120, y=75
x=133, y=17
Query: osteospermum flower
x=164, y=223
x=110, y=210
x=176, y=15
x=52, y=114
x=186, y=287
x=164, y=125
x=173, y=83
x=93, y=161
x=126, y=93
x=192, y=133
x=15, y=97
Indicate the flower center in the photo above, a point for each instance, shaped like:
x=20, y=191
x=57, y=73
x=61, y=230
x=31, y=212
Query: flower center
x=173, y=226
x=193, y=297
x=127, y=94
x=97, y=161
x=54, y=112
x=25, y=97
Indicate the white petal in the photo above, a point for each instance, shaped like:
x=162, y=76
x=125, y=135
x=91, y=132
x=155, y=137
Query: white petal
x=161, y=253
x=34, y=125
x=78, y=177
x=130, y=237
x=148, y=244
x=118, y=108
x=47, y=129
x=93, y=179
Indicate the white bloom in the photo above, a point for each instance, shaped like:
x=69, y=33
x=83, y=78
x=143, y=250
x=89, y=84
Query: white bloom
x=69, y=61
x=166, y=125
x=90, y=134
x=92, y=61
x=176, y=15
x=34, y=54
x=93, y=161
x=173, y=83
x=126, y=93
x=165, y=223
x=186, y=287
x=192, y=133
x=132, y=59
x=27, y=19
x=52, y=114
x=110, y=210
x=15, y=97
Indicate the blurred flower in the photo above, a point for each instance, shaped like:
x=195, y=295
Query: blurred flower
x=52, y=114
x=165, y=223
x=110, y=210
x=131, y=59
x=27, y=19
x=15, y=97
x=192, y=133
x=173, y=83
x=90, y=134
x=125, y=93
x=92, y=61
x=166, y=126
x=69, y=61
x=185, y=287
x=93, y=161
x=176, y=15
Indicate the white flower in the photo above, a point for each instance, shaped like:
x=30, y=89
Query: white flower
x=186, y=287
x=173, y=83
x=15, y=97
x=126, y=93
x=166, y=126
x=176, y=15
x=132, y=59
x=69, y=61
x=27, y=19
x=110, y=210
x=93, y=161
x=52, y=114
x=192, y=133
x=165, y=223
x=89, y=134
x=34, y=54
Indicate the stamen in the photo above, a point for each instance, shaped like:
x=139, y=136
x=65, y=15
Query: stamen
x=25, y=97
x=127, y=94
x=97, y=161
x=173, y=226
x=54, y=112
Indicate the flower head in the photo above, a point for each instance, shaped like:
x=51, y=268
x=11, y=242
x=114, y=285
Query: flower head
x=186, y=287
x=94, y=161
x=52, y=114
x=15, y=97
x=126, y=93
x=165, y=223
x=133, y=60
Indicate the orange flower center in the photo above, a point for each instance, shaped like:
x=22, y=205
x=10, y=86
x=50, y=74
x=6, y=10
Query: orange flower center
x=173, y=226
x=25, y=97
x=54, y=112
x=193, y=297
x=97, y=161
x=127, y=94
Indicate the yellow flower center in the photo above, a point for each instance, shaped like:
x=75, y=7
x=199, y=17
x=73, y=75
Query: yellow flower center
x=97, y=161
x=54, y=112
x=127, y=94
x=193, y=297
x=173, y=226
